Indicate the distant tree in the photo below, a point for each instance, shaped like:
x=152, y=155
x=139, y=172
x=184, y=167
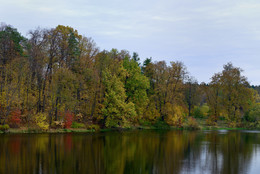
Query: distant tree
x=11, y=44
x=136, y=58
x=229, y=94
x=191, y=93
x=236, y=95
x=213, y=92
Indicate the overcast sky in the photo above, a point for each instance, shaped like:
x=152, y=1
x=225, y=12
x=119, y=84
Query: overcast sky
x=203, y=34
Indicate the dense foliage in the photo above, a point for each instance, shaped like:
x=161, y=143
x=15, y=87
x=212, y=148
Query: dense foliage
x=59, y=78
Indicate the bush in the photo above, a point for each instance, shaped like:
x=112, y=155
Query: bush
x=254, y=113
x=77, y=125
x=161, y=124
x=41, y=121
x=232, y=124
x=211, y=121
x=68, y=119
x=94, y=127
x=202, y=111
x=175, y=115
x=197, y=113
x=151, y=113
x=191, y=123
x=258, y=125
x=251, y=125
x=144, y=122
x=4, y=127
x=58, y=124
x=79, y=117
x=15, y=118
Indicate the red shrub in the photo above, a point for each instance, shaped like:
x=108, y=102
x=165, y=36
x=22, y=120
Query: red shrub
x=15, y=118
x=68, y=119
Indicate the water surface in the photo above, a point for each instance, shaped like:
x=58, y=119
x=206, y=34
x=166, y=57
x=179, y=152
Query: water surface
x=132, y=152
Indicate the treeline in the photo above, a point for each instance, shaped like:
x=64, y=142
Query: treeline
x=59, y=78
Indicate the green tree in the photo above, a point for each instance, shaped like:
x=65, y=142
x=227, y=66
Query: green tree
x=116, y=111
x=136, y=85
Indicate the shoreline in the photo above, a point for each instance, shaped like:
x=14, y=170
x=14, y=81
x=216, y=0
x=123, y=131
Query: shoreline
x=71, y=130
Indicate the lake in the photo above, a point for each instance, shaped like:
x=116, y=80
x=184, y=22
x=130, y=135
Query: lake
x=132, y=152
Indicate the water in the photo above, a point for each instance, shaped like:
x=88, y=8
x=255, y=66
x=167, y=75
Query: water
x=133, y=152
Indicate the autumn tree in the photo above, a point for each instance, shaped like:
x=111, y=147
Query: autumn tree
x=191, y=94
x=136, y=85
x=229, y=95
x=167, y=89
x=116, y=111
x=213, y=93
x=236, y=95
x=12, y=45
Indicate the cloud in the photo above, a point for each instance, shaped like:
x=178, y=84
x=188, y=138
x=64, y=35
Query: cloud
x=203, y=34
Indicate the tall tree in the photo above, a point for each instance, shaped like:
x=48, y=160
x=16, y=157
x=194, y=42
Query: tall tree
x=236, y=95
x=116, y=111
x=191, y=93
x=136, y=85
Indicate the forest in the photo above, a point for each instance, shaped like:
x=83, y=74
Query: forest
x=59, y=79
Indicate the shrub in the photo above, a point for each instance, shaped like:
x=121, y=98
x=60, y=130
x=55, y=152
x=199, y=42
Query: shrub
x=57, y=124
x=197, y=113
x=77, y=125
x=144, y=122
x=211, y=121
x=177, y=121
x=175, y=115
x=15, y=118
x=68, y=119
x=254, y=113
x=202, y=111
x=79, y=117
x=94, y=127
x=161, y=124
x=232, y=124
x=191, y=123
x=4, y=127
x=258, y=125
x=251, y=125
x=41, y=121
x=151, y=113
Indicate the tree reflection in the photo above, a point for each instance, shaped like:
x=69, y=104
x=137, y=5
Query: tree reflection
x=129, y=152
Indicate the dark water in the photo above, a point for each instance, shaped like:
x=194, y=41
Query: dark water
x=135, y=152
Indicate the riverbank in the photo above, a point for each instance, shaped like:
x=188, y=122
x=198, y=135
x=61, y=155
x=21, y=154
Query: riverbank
x=201, y=125
x=28, y=130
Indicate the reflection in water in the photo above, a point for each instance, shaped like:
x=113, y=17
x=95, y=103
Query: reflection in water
x=134, y=152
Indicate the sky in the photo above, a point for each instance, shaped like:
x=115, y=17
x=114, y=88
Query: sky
x=203, y=34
